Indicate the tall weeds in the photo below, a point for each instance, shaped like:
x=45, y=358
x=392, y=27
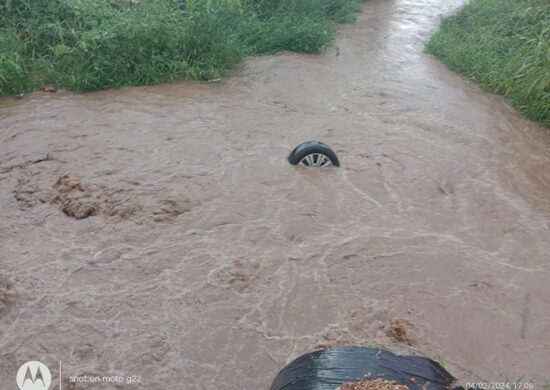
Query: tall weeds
x=504, y=45
x=96, y=44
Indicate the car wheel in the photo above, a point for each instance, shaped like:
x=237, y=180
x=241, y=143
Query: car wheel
x=313, y=154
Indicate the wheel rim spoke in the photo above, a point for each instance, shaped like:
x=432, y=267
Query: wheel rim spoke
x=316, y=160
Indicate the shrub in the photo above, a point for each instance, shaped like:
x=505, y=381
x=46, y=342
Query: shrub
x=504, y=45
x=95, y=44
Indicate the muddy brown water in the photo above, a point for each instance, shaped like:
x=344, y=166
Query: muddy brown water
x=203, y=260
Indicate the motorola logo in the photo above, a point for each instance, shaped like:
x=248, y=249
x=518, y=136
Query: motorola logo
x=34, y=376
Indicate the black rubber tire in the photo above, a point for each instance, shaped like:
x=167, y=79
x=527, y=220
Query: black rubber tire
x=311, y=147
x=330, y=368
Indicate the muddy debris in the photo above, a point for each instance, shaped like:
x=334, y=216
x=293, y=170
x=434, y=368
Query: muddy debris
x=25, y=193
x=69, y=190
x=66, y=184
x=398, y=331
x=240, y=275
x=334, y=336
x=78, y=210
x=170, y=209
x=80, y=201
x=376, y=384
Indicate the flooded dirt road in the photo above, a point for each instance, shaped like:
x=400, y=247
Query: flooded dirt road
x=159, y=232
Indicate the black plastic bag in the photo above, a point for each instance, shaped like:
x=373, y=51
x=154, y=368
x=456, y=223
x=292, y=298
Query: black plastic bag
x=329, y=368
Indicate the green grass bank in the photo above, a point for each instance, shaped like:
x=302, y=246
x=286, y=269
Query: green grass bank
x=96, y=44
x=504, y=45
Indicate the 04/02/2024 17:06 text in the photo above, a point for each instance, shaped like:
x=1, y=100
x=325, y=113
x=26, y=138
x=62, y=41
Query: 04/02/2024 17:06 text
x=501, y=385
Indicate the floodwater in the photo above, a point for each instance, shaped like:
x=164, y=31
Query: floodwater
x=202, y=260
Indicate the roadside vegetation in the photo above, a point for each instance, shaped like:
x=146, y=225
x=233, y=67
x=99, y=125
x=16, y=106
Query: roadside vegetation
x=96, y=44
x=504, y=45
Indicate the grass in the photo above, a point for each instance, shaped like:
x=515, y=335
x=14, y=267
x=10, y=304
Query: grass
x=504, y=45
x=97, y=44
x=441, y=360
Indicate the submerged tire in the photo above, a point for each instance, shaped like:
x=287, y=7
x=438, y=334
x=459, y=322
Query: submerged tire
x=329, y=368
x=313, y=154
